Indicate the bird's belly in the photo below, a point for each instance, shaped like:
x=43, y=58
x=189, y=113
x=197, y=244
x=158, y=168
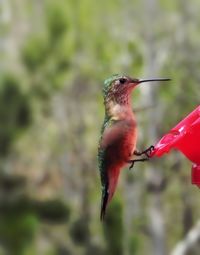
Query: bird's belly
x=122, y=150
x=128, y=145
x=119, y=143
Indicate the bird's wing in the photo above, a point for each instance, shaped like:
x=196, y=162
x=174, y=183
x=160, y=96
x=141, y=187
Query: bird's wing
x=109, y=170
x=110, y=135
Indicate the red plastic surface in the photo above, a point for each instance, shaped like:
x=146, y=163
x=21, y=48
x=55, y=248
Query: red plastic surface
x=195, y=175
x=185, y=136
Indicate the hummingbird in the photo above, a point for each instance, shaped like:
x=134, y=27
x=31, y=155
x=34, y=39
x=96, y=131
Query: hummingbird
x=117, y=145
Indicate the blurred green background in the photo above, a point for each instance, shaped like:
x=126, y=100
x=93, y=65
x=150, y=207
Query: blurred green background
x=54, y=56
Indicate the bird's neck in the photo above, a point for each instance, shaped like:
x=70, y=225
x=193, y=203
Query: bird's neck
x=118, y=108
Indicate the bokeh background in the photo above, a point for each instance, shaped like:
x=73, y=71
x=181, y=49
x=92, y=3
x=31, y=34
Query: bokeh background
x=54, y=56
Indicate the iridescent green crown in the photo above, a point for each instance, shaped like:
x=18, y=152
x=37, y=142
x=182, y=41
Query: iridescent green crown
x=109, y=81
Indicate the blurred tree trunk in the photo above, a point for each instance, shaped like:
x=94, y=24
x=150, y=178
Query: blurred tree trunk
x=5, y=18
x=132, y=210
x=149, y=93
x=190, y=244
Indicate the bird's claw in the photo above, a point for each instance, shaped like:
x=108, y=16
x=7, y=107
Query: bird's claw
x=132, y=165
x=148, y=151
x=132, y=162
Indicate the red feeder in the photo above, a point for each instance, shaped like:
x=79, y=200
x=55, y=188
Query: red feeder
x=185, y=137
x=196, y=175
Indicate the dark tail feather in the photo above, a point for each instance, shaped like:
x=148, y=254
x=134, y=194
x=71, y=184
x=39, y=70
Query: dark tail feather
x=104, y=202
x=109, y=189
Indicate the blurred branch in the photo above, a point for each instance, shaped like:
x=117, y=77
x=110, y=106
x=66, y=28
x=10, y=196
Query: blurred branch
x=144, y=108
x=189, y=242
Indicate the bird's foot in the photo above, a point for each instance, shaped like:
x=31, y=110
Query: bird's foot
x=132, y=162
x=146, y=152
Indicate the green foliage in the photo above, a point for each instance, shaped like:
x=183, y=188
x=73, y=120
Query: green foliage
x=17, y=231
x=35, y=52
x=95, y=249
x=20, y=218
x=137, y=61
x=15, y=111
x=79, y=231
x=134, y=244
x=47, y=54
x=113, y=228
x=54, y=211
x=56, y=18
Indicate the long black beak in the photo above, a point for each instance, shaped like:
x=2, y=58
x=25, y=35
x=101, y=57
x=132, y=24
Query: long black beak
x=156, y=79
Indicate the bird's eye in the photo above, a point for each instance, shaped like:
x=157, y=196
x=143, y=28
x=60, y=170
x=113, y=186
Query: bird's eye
x=122, y=80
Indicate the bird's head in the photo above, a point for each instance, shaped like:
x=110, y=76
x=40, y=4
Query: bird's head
x=118, y=87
